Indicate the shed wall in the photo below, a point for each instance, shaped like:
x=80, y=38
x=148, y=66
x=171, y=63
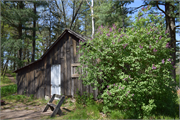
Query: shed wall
x=36, y=79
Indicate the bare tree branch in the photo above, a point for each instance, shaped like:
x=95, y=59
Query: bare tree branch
x=76, y=13
x=58, y=11
x=161, y=9
x=88, y=3
x=75, y=23
x=64, y=13
x=177, y=26
x=137, y=7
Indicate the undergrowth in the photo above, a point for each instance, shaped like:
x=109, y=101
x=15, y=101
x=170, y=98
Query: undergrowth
x=9, y=89
x=5, y=80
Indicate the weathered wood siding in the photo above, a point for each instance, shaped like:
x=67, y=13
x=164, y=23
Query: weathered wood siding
x=36, y=78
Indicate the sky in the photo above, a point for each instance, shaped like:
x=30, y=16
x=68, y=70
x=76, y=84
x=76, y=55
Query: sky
x=138, y=3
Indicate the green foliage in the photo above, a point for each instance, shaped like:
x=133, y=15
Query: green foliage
x=5, y=80
x=85, y=99
x=177, y=79
x=10, y=89
x=89, y=112
x=135, y=66
x=110, y=12
x=116, y=114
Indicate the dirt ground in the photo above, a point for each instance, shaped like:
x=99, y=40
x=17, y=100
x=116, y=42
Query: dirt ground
x=21, y=111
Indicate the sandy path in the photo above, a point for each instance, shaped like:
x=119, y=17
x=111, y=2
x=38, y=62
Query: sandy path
x=22, y=112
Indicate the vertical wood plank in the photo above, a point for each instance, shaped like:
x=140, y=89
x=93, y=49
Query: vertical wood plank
x=77, y=50
x=50, y=56
x=48, y=72
x=56, y=50
x=62, y=68
x=68, y=59
x=45, y=75
x=74, y=47
x=65, y=63
x=59, y=53
x=76, y=88
x=72, y=61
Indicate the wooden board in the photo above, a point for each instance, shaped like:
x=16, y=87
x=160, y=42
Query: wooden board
x=74, y=47
x=68, y=59
x=59, y=53
x=77, y=49
x=56, y=51
x=72, y=61
x=65, y=66
x=48, y=85
x=62, y=67
x=75, y=85
x=75, y=64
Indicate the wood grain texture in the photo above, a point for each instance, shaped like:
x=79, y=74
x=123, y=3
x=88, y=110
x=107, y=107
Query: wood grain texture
x=74, y=47
x=56, y=51
x=75, y=64
x=72, y=61
x=65, y=66
x=59, y=53
x=48, y=87
x=68, y=65
x=62, y=67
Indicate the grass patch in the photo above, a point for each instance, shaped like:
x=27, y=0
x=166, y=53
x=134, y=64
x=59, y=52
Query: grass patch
x=116, y=114
x=5, y=81
x=12, y=74
x=25, y=100
x=10, y=89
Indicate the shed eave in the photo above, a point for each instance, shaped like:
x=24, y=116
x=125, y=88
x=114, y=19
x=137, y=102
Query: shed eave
x=27, y=65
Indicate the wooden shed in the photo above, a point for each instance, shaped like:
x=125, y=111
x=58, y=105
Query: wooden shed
x=54, y=72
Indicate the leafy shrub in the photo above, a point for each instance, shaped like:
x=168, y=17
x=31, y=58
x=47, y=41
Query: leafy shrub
x=85, y=99
x=134, y=71
x=10, y=89
x=177, y=79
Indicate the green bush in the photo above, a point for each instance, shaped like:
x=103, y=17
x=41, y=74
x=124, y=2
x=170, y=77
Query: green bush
x=10, y=89
x=134, y=73
x=177, y=79
x=85, y=99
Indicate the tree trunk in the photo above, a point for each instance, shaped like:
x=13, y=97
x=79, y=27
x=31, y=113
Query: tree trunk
x=92, y=13
x=21, y=6
x=2, y=54
x=34, y=35
x=170, y=27
x=14, y=65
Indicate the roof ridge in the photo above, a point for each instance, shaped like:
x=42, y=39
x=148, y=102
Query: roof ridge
x=78, y=35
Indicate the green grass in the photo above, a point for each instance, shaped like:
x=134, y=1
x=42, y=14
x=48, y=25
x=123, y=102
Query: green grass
x=12, y=74
x=25, y=99
x=5, y=80
x=89, y=112
x=9, y=89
